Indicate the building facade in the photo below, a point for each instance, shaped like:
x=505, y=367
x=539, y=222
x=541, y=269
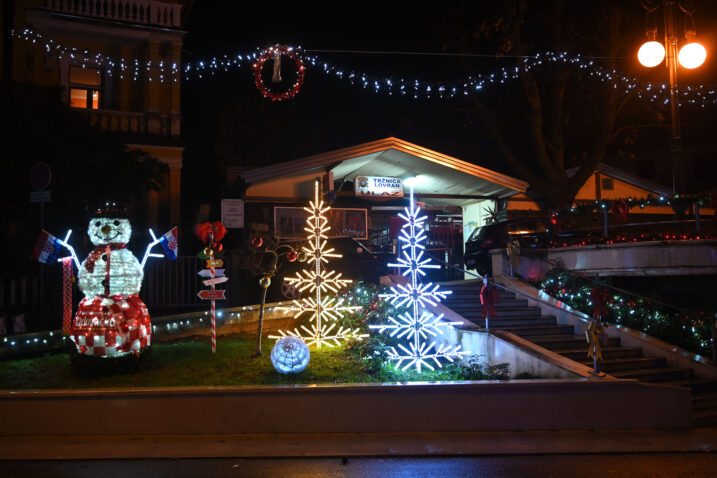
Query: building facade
x=143, y=106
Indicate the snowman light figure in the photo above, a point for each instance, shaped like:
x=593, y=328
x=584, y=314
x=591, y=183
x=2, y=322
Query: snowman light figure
x=112, y=320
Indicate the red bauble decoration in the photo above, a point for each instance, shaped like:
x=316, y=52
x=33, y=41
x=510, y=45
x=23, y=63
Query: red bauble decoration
x=291, y=256
x=257, y=241
x=270, y=53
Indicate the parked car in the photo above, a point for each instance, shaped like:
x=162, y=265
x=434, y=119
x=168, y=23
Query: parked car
x=530, y=232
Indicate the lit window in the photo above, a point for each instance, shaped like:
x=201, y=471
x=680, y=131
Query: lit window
x=85, y=87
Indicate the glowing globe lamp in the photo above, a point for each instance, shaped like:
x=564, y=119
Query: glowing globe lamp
x=290, y=355
x=692, y=55
x=651, y=54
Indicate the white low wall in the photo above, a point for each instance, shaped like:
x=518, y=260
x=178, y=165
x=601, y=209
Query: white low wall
x=633, y=258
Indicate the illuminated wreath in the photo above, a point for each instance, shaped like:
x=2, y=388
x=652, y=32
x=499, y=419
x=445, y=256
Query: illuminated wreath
x=270, y=53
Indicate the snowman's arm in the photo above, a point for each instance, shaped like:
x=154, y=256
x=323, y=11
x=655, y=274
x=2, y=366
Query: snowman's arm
x=147, y=253
x=64, y=244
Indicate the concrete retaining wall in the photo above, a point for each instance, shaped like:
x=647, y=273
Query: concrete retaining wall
x=427, y=407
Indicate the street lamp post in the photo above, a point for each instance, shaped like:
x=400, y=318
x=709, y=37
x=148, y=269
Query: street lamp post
x=689, y=56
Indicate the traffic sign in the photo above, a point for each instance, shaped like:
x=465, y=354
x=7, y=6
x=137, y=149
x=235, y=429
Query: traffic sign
x=211, y=263
x=40, y=176
x=212, y=294
x=208, y=273
x=216, y=280
x=39, y=196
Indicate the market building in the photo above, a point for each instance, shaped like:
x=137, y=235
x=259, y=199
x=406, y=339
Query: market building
x=367, y=186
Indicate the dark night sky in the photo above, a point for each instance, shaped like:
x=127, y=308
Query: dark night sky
x=329, y=114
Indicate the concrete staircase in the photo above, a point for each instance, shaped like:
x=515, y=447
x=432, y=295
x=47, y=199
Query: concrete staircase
x=513, y=314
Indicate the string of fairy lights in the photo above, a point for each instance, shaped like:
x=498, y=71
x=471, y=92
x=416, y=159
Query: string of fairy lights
x=385, y=84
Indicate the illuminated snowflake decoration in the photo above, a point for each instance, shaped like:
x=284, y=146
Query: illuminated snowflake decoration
x=417, y=326
x=325, y=311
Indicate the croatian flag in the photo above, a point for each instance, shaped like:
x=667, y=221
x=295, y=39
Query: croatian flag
x=47, y=248
x=170, y=243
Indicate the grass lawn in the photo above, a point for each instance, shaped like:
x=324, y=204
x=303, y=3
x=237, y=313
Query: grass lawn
x=190, y=363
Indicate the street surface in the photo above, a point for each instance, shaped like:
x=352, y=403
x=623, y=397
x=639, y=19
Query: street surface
x=667, y=465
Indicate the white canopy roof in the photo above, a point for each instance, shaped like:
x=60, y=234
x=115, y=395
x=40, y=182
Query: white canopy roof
x=448, y=180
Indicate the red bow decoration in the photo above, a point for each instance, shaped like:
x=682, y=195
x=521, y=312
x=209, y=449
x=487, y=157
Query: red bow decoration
x=599, y=297
x=620, y=210
x=214, y=230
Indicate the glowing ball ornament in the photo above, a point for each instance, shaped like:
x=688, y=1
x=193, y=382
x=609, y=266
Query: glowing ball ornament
x=692, y=55
x=290, y=355
x=651, y=54
x=265, y=282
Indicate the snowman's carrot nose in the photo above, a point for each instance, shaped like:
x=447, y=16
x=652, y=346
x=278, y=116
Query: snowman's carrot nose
x=106, y=229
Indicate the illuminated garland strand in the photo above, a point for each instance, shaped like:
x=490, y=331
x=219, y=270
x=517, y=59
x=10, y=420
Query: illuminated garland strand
x=701, y=95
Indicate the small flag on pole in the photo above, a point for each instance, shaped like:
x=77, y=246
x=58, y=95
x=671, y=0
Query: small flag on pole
x=170, y=243
x=47, y=248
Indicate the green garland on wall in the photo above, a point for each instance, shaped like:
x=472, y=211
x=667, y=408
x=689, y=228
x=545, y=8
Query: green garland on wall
x=690, y=330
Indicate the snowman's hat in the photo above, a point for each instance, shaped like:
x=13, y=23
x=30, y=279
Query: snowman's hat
x=110, y=209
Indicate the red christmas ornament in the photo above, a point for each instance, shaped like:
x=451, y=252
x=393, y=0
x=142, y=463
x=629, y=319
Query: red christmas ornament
x=271, y=53
x=291, y=256
x=257, y=241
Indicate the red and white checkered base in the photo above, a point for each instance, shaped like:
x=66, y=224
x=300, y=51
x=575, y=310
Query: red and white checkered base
x=111, y=326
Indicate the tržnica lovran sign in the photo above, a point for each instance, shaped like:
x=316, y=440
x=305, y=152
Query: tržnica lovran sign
x=378, y=186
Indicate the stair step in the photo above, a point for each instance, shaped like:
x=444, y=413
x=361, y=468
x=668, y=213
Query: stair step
x=475, y=304
x=501, y=322
x=662, y=374
x=697, y=385
x=629, y=364
x=475, y=293
x=501, y=314
x=533, y=330
x=580, y=353
x=569, y=341
x=703, y=401
x=511, y=311
x=704, y=418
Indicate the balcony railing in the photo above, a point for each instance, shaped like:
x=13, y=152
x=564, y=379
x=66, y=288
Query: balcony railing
x=132, y=122
x=148, y=12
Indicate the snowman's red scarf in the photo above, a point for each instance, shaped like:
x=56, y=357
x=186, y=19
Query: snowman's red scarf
x=96, y=254
x=98, y=251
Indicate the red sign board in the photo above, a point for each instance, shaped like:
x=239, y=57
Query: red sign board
x=212, y=294
x=215, y=263
x=216, y=280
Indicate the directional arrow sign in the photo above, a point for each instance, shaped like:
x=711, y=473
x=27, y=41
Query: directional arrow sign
x=208, y=273
x=212, y=294
x=215, y=263
x=216, y=280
